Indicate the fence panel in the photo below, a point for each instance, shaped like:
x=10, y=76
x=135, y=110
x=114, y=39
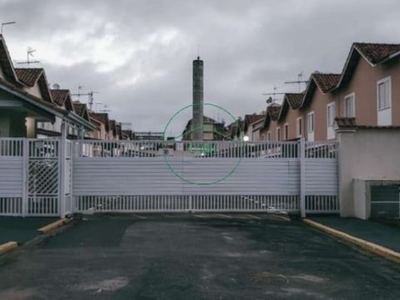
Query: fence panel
x=11, y=176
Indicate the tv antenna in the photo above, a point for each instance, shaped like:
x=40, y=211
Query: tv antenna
x=89, y=94
x=299, y=81
x=96, y=105
x=29, y=53
x=5, y=24
x=105, y=109
x=272, y=99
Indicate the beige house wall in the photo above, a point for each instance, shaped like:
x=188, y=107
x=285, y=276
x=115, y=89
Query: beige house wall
x=291, y=120
x=365, y=154
x=319, y=105
x=364, y=84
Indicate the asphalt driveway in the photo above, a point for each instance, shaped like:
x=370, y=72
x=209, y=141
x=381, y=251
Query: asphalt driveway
x=187, y=257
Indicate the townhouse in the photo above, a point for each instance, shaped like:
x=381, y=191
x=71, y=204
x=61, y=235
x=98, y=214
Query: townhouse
x=29, y=108
x=25, y=101
x=271, y=129
x=365, y=92
x=252, y=126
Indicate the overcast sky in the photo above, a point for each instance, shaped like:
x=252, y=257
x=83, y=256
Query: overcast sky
x=138, y=53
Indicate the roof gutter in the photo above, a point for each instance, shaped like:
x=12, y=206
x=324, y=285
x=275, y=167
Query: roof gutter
x=77, y=119
x=389, y=58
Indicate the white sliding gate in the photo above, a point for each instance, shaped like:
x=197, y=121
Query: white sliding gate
x=55, y=177
x=130, y=176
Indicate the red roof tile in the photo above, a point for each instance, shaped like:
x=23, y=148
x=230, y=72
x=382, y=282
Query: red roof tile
x=326, y=82
x=376, y=53
x=101, y=117
x=274, y=110
x=253, y=118
x=28, y=76
x=79, y=108
x=295, y=100
x=345, y=122
x=59, y=96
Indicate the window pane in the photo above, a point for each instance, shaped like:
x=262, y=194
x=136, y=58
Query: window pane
x=330, y=115
x=379, y=96
x=311, y=122
x=387, y=102
x=383, y=95
x=349, y=107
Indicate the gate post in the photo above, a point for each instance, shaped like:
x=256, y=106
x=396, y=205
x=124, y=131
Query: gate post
x=61, y=162
x=25, y=176
x=302, y=156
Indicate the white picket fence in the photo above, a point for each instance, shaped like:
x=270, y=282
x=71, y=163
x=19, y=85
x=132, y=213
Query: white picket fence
x=51, y=177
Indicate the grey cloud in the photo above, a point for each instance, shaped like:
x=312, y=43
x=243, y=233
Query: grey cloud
x=247, y=46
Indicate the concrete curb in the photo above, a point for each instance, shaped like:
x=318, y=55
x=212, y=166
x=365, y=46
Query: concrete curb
x=6, y=247
x=54, y=225
x=371, y=247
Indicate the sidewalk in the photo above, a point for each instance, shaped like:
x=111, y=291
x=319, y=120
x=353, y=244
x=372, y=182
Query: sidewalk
x=369, y=235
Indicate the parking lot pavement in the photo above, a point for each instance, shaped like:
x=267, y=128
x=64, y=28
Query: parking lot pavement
x=21, y=230
x=189, y=257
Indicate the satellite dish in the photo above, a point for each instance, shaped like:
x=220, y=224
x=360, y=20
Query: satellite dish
x=269, y=100
x=56, y=86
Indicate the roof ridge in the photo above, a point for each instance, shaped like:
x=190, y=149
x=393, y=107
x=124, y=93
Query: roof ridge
x=376, y=43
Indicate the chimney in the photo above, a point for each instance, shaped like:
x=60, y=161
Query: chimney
x=198, y=94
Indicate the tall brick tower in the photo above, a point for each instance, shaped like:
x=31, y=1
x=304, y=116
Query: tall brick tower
x=198, y=107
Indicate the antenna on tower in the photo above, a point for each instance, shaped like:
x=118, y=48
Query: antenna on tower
x=5, y=24
x=105, y=109
x=29, y=53
x=299, y=80
x=89, y=94
x=273, y=99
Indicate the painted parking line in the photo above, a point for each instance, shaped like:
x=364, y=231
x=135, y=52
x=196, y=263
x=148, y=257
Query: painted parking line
x=224, y=216
x=201, y=216
x=284, y=218
x=139, y=217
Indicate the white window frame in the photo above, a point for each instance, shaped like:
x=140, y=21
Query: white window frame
x=299, y=127
x=269, y=136
x=330, y=105
x=286, y=132
x=353, y=97
x=389, y=81
x=311, y=114
x=278, y=134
